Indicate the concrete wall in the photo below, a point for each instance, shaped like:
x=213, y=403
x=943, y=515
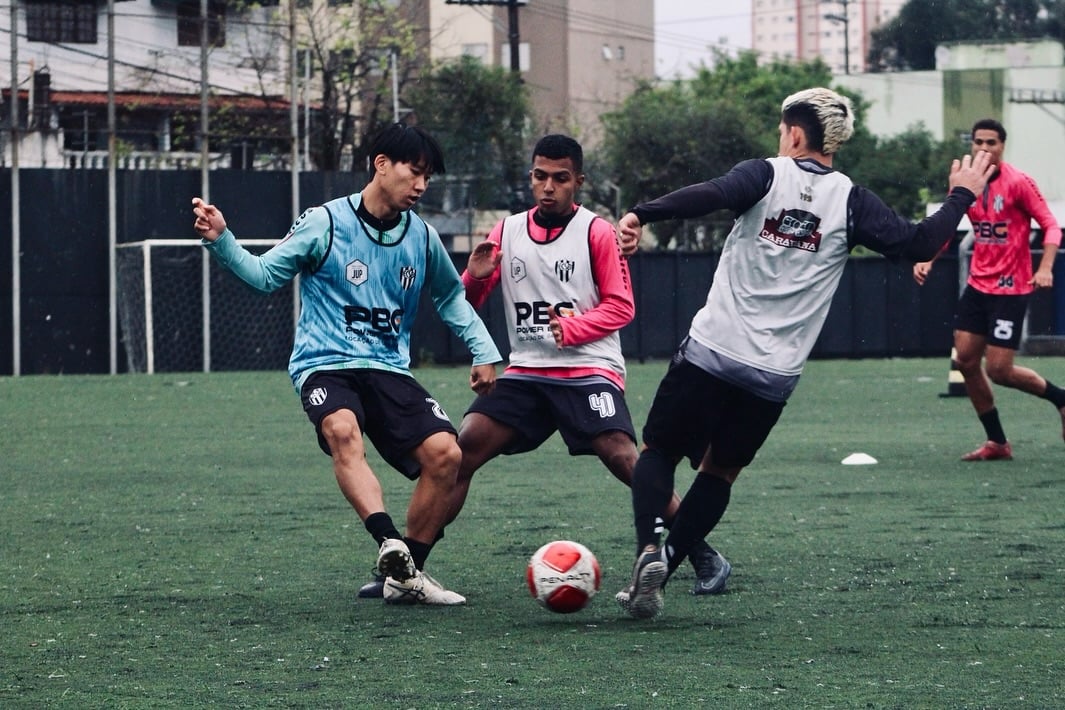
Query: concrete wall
x=1024, y=91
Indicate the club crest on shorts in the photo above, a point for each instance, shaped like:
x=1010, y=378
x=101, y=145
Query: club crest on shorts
x=318, y=396
x=438, y=411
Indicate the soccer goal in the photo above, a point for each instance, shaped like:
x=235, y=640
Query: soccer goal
x=179, y=311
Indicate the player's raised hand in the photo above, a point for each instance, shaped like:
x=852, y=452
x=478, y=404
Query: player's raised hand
x=209, y=222
x=629, y=232
x=484, y=259
x=972, y=172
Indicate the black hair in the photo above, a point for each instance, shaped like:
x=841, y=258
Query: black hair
x=990, y=124
x=557, y=147
x=409, y=144
x=804, y=115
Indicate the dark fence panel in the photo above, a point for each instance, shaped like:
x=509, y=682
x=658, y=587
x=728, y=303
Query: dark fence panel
x=7, y=364
x=64, y=261
x=878, y=311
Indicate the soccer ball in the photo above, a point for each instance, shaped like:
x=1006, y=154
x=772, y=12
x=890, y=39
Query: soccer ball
x=563, y=576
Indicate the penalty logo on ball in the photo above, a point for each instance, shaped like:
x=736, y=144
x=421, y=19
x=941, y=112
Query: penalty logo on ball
x=563, y=576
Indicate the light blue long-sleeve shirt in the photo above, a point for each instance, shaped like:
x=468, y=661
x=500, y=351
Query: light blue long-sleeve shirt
x=359, y=288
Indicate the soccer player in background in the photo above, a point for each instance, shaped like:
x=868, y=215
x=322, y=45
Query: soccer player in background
x=990, y=314
x=566, y=293
x=796, y=221
x=363, y=262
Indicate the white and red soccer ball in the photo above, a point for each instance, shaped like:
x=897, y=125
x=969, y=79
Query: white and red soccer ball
x=563, y=576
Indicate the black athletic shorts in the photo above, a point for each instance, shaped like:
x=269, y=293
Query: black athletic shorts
x=694, y=410
x=536, y=409
x=998, y=318
x=394, y=411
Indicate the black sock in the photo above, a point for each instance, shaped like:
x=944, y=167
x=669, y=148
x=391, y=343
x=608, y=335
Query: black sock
x=992, y=426
x=699, y=547
x=1055, y=394
x=700, y=510
x=697, y=550
x=652, y=488
x=419, y=551
x=381, y=527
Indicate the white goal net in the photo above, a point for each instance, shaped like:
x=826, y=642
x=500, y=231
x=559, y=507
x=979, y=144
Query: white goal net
x=179, y=311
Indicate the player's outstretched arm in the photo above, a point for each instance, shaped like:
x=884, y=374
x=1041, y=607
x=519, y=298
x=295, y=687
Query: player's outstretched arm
x=209, y=223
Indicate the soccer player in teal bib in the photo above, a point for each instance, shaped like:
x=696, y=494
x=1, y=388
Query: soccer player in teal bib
x=363, y=261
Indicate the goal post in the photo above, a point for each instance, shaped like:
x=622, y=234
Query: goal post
x=179, y=311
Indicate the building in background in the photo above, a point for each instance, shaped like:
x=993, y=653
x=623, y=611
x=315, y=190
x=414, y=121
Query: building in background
x=62, y=79
x=1019, y=84
x=837, y=31
x=578, y=58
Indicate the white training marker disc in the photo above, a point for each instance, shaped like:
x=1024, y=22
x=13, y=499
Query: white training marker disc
x=858, y=459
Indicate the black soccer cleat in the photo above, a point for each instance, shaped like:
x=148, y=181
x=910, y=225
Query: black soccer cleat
x=711, y=569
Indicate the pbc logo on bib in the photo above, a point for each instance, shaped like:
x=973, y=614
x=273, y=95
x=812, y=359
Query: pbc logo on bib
x=793, y=229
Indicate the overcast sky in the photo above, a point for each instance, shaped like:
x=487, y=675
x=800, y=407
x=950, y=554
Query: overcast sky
x=685, y=28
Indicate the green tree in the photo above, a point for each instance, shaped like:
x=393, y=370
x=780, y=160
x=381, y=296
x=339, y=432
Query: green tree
x=664, y=137
x=909, y=41
x=479, y=114
x=907, y=170
x=668, y=136
x=354, y=51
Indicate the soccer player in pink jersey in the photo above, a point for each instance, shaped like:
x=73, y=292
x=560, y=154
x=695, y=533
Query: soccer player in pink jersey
x=991, y=310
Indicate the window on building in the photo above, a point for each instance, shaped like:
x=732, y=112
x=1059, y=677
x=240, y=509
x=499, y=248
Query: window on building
x=188, y=24
x=477, y=50
x=62, y=21
x=304, y=63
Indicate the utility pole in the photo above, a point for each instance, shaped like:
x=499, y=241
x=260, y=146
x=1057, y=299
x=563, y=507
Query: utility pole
x=16, y=214
x=513, y=35
x=844, y=19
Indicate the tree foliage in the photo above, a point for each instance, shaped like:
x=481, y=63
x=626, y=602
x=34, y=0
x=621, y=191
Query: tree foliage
x=665, y=137
x=479, y=115
x=354, y=53
x=354, y=48
x=908, y=42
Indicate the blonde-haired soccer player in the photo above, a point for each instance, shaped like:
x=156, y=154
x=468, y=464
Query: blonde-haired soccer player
x=797, y=220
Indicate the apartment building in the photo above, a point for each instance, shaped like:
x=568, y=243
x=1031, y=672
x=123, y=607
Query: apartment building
x=65, y=61
x=579, y=58
x=837, y=31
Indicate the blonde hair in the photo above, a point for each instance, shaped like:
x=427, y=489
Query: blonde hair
x=825, y=116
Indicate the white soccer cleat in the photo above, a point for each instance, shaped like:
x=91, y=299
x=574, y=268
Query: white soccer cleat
x=394, y=560
x=644, y=597
x=420, y=589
